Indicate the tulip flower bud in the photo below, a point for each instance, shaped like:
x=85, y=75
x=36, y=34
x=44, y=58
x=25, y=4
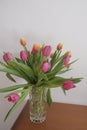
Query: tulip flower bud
x=46, y=51
x=45, y=66
x=66, y=60
x=36, y=48
x=68, y=53
x=59, y=46
x=68, y=85
x=13, y=97
x=67, y=66
x=22, y=41
x=7, y=57
x=23, y=55
x=51, y=55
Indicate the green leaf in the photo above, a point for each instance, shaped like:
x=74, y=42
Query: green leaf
x=3, y=64
x=11, y=88
x=73, y=62
x=56, y=58
x=56, y=69
x=16, y=104
x=57, y=82
x=63, y=91
x=19, y=60
x=76, y=80
x=26, y=69
x=42, y=76
x=49, y=99
x=10, y=71
x=21, y=90
x=15, y=67
x=53, y=60
x=63, y=71
x=10, y=77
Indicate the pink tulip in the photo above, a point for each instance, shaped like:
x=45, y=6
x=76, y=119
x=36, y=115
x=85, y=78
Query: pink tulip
x=66, y=60
x=46, y=50
x=13, y=97
x=7, y=57
x=23, y=55
x=45, y=66
x=68, y=85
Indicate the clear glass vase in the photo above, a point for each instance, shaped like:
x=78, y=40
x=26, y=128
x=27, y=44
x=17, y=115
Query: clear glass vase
x=38, y=104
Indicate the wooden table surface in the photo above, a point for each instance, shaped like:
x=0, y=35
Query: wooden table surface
x=60, y=116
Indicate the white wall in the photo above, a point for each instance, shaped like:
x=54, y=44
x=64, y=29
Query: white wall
x=48, y=21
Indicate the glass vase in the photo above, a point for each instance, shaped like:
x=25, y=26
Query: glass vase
x=38, y=104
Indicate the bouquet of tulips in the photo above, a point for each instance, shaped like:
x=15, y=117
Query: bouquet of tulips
x=39, y=67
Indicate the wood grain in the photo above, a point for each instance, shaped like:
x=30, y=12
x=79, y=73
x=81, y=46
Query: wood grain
x=60, y=116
